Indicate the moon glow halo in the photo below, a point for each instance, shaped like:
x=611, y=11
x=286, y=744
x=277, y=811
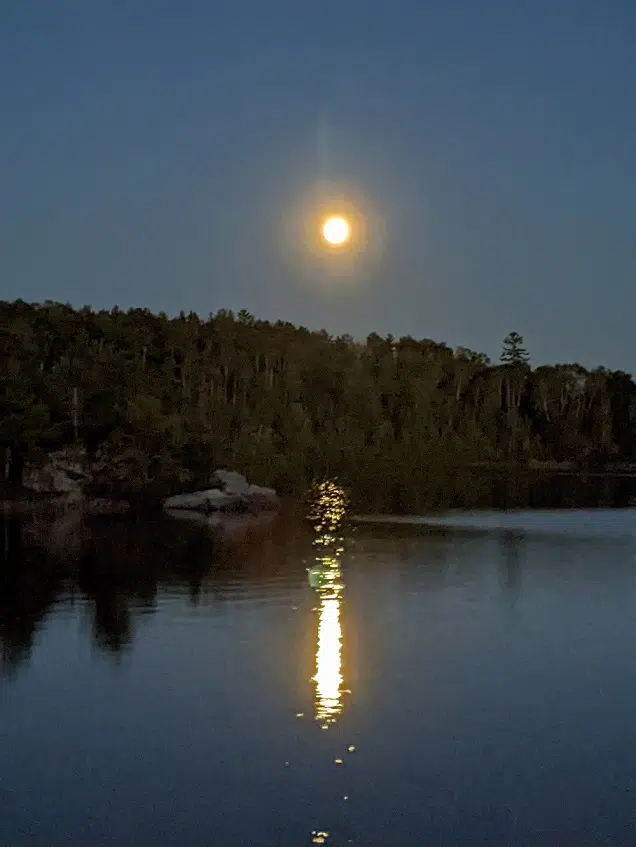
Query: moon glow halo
x=332, y=233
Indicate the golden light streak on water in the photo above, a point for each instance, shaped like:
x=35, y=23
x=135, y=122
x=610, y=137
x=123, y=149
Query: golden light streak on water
x=328, y=677
x=328, y=505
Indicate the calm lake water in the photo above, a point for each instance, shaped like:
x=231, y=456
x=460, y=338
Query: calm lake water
x=465, y=684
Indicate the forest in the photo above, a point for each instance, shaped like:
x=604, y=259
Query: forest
x=158, y=403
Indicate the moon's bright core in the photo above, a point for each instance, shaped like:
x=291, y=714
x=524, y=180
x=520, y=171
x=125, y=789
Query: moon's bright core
x=336, y=230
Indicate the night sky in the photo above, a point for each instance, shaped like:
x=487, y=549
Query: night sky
x=163, y=154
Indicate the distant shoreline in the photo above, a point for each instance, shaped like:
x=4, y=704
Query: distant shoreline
x=565, y=468
x=25, y=502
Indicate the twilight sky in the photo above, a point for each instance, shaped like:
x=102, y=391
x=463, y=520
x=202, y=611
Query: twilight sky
x=164, y=154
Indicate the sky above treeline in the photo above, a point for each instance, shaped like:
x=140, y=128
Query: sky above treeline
x=175, y=156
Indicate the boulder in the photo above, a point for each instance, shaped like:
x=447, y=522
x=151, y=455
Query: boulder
x=234, y=495
x=49, y=480
x=64, y=472
x=210, y=500
x=193, y=515
x=230, y=482
x=260, y=497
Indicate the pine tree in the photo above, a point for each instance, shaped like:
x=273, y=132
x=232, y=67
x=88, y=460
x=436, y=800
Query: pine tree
x=513, y=352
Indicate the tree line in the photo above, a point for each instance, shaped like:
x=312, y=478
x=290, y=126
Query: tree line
x=160, y=402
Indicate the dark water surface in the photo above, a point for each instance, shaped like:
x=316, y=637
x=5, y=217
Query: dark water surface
x=169, y=692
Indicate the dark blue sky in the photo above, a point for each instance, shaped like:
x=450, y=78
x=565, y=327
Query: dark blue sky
x=151, y=150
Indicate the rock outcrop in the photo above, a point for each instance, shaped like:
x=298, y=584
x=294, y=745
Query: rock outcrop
x=260, y=497
x=67, y=477
x=64, y=472
x=210, y=500
x=230, y=482
x=230, y=494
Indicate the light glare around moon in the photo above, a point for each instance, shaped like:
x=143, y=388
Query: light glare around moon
x=309, y=225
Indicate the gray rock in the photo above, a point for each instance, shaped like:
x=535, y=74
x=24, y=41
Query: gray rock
x=230, y=482
x=49, y=480
x=209, y=500
x=64, y=472
x=264, y=498
x=234, y=496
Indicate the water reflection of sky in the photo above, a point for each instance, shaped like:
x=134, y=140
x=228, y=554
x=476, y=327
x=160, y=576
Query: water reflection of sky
x=501, y=714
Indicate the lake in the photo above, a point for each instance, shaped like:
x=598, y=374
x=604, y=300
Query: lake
x=469, y=681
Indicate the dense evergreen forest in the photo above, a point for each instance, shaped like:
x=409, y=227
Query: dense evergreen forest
x=160, y=402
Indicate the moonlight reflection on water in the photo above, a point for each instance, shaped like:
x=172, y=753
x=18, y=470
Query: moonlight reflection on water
x=328, y=678
x=328, y=506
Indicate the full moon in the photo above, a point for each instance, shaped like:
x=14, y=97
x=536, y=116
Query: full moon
x=336, y=231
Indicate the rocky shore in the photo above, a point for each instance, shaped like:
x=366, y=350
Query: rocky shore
x=229, y=493
x=67, y=480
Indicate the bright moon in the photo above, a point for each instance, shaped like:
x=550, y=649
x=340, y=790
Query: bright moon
x=336, y=230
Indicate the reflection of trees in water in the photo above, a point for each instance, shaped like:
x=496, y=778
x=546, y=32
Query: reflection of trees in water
x=111, y=569
x=119, y=566
x=28, y=587
x=17, y=633
x=112, y=625
x=511, y=564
